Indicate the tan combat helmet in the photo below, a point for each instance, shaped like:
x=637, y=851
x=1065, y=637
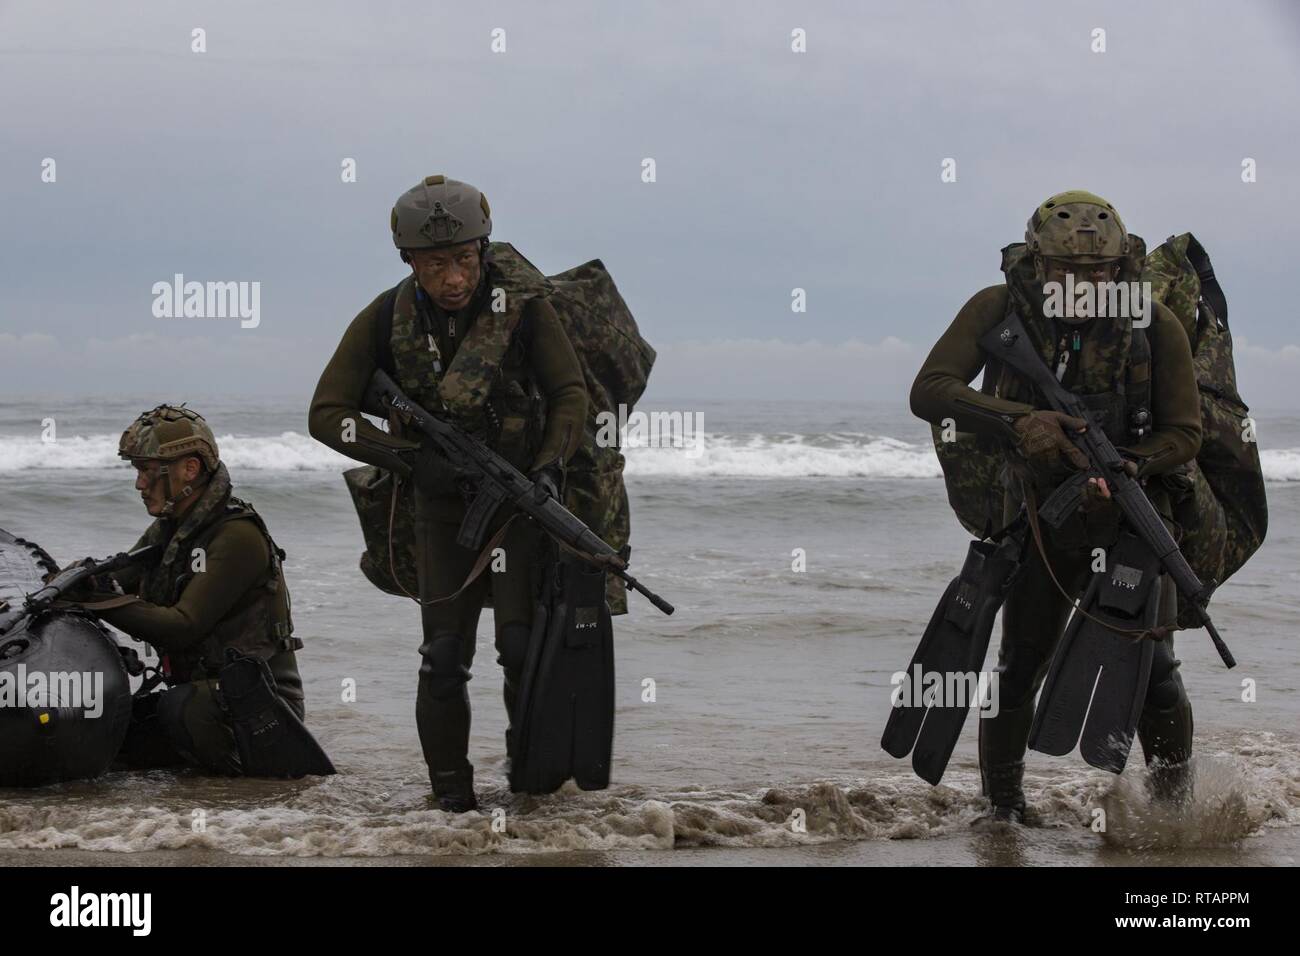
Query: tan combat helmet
x=440, y=212
x=169, y=433
x=1079, y=226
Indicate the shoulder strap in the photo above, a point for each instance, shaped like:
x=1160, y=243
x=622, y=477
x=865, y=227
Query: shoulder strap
x=384, y=331
x=523, y=337
x=239, y=508
x=1137, y=391
x=1211, y=291
x=992, y=372
x=993, y=369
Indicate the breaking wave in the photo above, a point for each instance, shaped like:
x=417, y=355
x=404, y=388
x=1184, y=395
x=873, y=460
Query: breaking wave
x=832, y=455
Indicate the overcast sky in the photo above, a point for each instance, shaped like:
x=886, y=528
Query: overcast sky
x=775, y=170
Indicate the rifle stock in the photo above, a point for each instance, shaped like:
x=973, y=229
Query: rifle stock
x=1009, y=342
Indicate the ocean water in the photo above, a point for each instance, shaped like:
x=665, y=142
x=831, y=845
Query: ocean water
x=771, y=685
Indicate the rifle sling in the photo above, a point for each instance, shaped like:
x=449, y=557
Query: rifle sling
x=480, y=563
x=122, y=600
x=1158, y=633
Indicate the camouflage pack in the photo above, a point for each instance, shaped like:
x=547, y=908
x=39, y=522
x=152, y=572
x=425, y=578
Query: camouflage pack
x=616, y=363
x=1219, y=499
x=1224, y=516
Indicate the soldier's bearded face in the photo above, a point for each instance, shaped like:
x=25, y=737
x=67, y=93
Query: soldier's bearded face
x=448, y=276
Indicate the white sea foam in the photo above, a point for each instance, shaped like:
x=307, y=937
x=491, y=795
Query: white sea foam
x=288, y=451
x=792, y=456
x=839, y=455
x=1281, y=464
x=351, y=816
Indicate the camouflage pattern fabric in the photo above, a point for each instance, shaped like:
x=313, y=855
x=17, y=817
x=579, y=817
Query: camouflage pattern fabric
x=169, y=433
x=1174, y=282
x=973, y=472
x=463, y=389
x=595, y=493
x=616, y=363
x=1104, y=355
x=371, y=489
x=1225, y=515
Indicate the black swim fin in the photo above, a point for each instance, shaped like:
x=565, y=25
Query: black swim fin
x=953, y=648
x=564, y=718
x=1096, y=687
x=272, y=740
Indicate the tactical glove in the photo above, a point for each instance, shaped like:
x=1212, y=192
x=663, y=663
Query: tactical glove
x=1041, y=439
x=547, y=480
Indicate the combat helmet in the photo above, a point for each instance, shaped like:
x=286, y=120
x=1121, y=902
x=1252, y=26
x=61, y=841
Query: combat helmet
x=168, y=433
x=440, y=212
x=1079, y=226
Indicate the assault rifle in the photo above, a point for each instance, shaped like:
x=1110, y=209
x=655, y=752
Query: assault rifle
x=499, y=482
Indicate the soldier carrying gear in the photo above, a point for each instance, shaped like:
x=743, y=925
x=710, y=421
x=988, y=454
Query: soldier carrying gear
x=503, y=368
x=1109, y=363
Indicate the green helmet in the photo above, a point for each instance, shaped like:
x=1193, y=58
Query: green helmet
x=168, y=433
x=1079, y=226
x=440, y=212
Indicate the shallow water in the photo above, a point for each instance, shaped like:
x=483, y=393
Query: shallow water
x=771, y=686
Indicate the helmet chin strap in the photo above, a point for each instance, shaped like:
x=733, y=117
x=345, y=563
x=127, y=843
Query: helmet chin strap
x=169, y=506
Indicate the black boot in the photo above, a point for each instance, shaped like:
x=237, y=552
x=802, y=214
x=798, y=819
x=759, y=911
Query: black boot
x=1170, y=782
x=1166, y=737
x=1002, y=785
x=454, y=789
x=1003, y=740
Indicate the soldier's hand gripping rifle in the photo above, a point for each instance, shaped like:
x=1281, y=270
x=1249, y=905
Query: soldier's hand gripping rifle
x=498, y=482
x=1009, y=343
x=63, y=582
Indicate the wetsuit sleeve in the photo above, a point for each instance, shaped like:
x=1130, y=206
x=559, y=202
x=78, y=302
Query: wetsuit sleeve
x=942, y=387
x=559, y=377
x=237, y=558
x=1175, y=400
x=338, y=399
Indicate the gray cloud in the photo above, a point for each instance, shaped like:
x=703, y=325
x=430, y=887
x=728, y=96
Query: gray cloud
x=775, y=170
